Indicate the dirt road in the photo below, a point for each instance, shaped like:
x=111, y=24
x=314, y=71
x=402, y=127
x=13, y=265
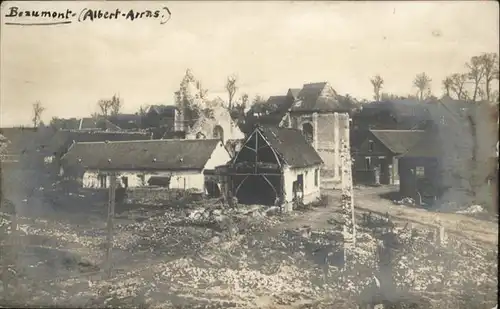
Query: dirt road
x=369, y=200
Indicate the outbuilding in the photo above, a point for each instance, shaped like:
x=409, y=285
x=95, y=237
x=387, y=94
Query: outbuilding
x=179, y=164
x=274, y=166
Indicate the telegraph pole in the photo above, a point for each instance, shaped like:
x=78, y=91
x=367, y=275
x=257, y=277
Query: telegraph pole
x=9, y=255
x=110, y=223
x=347, y=199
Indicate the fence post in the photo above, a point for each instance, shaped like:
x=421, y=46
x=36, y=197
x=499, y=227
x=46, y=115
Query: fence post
x=110, y=223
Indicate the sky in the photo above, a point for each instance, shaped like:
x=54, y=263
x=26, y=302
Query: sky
x=270, y=46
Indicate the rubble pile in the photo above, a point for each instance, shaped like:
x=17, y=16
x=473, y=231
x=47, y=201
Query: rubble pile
x=474, y=209
x=407, y=201
x=227, y=257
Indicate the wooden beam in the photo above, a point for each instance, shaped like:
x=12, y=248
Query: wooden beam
x=238, y=188
x=264, y=146
x=269, y=182
x=245, y=146
x=234, y=160
x=256, y=151
x=272, y=149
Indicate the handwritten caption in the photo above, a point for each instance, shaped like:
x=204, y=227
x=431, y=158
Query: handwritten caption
x=16, y=16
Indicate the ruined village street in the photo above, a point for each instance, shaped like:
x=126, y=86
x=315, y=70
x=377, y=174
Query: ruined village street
x=369, y=199
x=173, y=253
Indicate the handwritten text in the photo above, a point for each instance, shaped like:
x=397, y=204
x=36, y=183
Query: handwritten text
x=17, y=16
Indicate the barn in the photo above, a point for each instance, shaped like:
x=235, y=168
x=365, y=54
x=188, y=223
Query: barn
x=274, y=165
x=179, y=164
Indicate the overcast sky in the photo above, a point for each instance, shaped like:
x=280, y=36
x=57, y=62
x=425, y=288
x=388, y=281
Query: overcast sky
x=271, y=46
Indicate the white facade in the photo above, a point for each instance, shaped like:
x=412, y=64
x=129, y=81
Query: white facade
x=179, y=179
x=220, y=126
x=311, y=183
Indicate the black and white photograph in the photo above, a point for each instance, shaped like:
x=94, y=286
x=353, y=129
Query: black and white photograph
x=249, y=154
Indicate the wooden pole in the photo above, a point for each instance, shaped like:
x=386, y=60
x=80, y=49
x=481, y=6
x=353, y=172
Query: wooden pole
x=10, y=256
x=110, y=223
x=347, y=201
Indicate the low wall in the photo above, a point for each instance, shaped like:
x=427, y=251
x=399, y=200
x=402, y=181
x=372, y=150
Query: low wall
x=156, y=193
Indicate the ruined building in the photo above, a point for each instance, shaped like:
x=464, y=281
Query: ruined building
x=323, y=117
x=217, y=124
x=200, y=118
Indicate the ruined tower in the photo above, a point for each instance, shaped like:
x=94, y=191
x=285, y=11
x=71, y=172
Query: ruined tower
x=323, y=117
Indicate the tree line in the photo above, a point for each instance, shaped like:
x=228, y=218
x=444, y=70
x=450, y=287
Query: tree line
x=474, y=84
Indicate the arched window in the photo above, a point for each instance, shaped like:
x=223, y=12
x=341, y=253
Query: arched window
x=218, y=132
x=200, y=135
x=308, y=131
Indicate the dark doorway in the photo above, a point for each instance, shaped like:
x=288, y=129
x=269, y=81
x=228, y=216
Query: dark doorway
x=218, y=132
x=308, y=131
x=160, y=181
x=255, y=189
x=212, y=188
x=102, y=181
x=125, y=181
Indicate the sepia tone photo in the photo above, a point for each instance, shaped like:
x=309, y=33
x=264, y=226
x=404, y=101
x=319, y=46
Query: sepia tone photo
x=227, y=154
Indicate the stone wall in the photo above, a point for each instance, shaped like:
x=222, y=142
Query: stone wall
x=153, y=193
x=328, y=128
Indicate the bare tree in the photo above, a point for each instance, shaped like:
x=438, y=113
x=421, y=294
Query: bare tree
x=104, y=106
x=258, y=99
x=490, y=65
x=423, y=84
x=458, y=82
x=143, y=109
x=115, y=105
x=377, y=83
x=37, y=113
x=476, y=74
x=447, y=84
x=244, y=100
x=231, y=88
x=389, y=96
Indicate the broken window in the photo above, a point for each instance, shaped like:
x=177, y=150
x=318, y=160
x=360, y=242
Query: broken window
x=218, y=133
x=419, y=171
x=102, y=181
x=308, y=131
x=368, y=163
x=125, y=181
x=142, y=179
x=316, y=177
x=370, y=146
x=300, y=183
x=160, y=181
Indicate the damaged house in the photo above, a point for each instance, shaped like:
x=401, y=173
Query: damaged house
x=272, y=111
x=179, y=164
x=376, y=153
x=323, y=117
x=217, y=124
x=274, y=166
x=62, y=140
x=396, y=114
x=97, y=124
x=455, y=161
